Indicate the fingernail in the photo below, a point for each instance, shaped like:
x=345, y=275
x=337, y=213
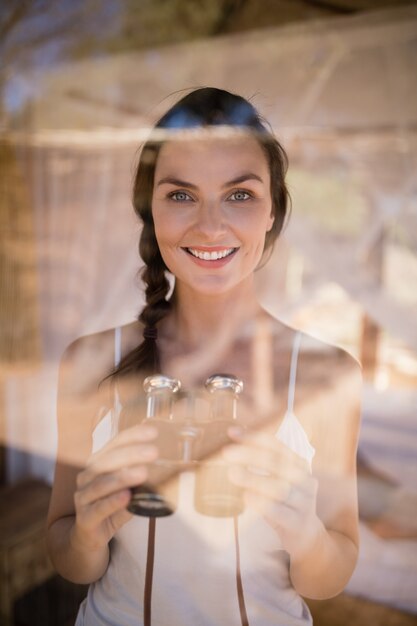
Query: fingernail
x=150, y=453
x=149, y=431
x=235, y=431
x=231, y=453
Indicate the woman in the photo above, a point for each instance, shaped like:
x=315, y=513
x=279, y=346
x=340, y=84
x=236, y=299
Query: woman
x=211, y=194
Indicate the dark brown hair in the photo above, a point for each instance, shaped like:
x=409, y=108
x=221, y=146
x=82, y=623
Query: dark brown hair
x=202, y=108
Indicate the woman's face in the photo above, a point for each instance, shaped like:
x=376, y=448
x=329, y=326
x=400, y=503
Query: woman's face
x=212, y=207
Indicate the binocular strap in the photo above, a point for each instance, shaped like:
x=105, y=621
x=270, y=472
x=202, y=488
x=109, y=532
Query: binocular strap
x=150, y=557
x=240, y=595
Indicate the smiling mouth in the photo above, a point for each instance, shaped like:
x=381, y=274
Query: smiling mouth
x=215, y=255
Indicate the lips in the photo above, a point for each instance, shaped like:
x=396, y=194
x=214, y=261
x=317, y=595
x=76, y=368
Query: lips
x=213, y=254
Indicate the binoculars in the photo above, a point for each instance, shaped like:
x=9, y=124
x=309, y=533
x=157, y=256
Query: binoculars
x=192, y=427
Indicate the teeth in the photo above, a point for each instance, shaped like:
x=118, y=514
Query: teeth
x=210, y=256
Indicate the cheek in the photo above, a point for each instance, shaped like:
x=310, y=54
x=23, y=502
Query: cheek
x=159, y=236
x=258, y=224
x=169, y=222
x=163, y=226
x=162, y=237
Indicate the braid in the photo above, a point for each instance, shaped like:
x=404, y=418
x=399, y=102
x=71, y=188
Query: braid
x=157, y=288
x=145, y=357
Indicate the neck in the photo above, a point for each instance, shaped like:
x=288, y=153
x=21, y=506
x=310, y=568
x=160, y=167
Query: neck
x=198, y=318
x=199, y=334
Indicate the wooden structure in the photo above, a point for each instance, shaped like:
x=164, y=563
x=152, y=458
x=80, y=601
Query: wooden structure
x=24, y=563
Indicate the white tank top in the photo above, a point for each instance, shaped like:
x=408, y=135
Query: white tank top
x=195, y=581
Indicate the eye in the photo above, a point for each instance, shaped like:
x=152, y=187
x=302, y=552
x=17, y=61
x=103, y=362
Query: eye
x=180, y=196
x=240, y=195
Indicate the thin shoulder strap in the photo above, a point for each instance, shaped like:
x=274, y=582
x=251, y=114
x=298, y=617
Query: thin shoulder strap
x=117, y=346
x=291, y=432
x=293, y=371
x=117, y=404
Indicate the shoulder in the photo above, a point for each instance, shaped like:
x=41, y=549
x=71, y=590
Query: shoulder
x=329, y=385
x=331, y=379
x=85, y=393
x=327, y=393
x=91, y=358
x=318, y=359
x=326, y=362
x=326, y=376
x=86, y=361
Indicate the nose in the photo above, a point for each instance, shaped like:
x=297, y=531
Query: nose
x=211, y=223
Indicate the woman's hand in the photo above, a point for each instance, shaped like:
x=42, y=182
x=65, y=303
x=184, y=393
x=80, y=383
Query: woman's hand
x=103, y=487
x=277, y=482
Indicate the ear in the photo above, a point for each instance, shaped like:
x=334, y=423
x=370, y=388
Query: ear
x=270, y=222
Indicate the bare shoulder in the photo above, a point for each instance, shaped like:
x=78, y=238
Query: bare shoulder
x=327, y=392
x=318, y=363
x=332, y=382
x=88, y=360
x=85, y=393
x=326, y=362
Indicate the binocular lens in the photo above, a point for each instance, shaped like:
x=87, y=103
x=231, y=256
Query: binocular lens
x=147, y=502
x=214, y=494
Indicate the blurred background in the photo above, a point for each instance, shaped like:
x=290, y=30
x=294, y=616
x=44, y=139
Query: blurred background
x=81, y=81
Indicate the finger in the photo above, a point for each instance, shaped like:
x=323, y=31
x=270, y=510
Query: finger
x=265, y=485
x=128, y=454
x=91, y=516
x=120, y=518
x=107, y=484
x=114, y=460
x=264, y=460
x=142, y=433
x=267, y=441
x=246, y=454
x=302, y=497
x=309, y=486
x=298, y=530
x=278, y=515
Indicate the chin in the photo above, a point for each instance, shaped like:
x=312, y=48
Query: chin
x=216, y=286
x=212, y=290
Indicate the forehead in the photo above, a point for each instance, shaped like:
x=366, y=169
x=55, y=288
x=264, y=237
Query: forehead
x=232, y=153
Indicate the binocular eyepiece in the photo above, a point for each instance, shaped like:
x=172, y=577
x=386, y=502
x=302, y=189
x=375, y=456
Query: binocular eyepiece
x=191, y=427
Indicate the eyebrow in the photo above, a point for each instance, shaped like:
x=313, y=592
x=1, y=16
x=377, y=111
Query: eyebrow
x=170, y=180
